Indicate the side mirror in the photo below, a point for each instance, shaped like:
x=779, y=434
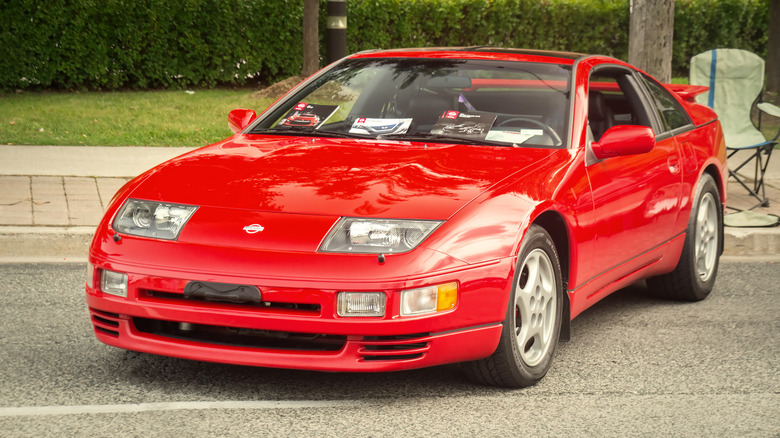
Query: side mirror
x=624, y=140
x=238, y=119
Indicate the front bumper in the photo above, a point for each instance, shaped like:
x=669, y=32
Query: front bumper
x=296, y=326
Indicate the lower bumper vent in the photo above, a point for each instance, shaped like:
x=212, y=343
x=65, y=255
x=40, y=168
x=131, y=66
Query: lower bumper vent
x=240, y=337
x=105, y=322
x=403, y=347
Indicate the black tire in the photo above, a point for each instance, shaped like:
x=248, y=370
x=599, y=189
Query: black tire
x=533, y=319
x=694, y=276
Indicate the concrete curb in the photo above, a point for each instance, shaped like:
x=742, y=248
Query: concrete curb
x=44, y=244
x=751, y=241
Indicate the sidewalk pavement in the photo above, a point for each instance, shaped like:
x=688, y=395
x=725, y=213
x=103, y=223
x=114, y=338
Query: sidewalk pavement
x=52, y=198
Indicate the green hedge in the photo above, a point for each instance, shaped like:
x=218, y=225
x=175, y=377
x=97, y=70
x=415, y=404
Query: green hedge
x=590, y=26
x=701, y=25
x=587, y=26
x=111, y=44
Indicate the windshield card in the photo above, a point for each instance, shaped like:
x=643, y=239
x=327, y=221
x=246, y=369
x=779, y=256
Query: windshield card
x=306, y=115
x=364, y=125
x=467, y=125
x=513, y=136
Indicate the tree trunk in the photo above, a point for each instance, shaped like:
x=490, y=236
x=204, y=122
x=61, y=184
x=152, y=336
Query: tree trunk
x=773, y=52
x=311, y=40
x=651, y=29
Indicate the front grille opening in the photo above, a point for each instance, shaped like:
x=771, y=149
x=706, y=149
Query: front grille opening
x=240, y=337
x=302, y=307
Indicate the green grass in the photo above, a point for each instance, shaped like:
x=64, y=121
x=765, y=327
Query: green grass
x=138, y=118
x=132, y=118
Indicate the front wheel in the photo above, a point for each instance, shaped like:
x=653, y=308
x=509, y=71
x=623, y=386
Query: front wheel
x=694, y=276
x=533, y=318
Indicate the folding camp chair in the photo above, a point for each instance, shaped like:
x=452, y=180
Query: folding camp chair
x=736, y=79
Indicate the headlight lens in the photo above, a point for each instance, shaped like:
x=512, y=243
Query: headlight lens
x=152, y=219
x=377, y=236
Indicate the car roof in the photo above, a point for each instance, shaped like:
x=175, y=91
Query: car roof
x=476, y=52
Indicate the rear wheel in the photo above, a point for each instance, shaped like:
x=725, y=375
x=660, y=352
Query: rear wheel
x=533, y=318
x=694, y=276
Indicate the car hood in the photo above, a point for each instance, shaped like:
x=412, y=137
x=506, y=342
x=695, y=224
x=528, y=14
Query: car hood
x=334, y=177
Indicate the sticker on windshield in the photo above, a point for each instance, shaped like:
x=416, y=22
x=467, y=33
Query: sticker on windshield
x=365, y=125
x=513, y=136
x=307, y=115
x=467, y=125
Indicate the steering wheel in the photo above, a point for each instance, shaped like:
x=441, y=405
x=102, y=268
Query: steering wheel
x=545, y=127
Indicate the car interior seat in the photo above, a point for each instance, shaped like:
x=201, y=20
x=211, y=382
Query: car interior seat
x=426, y=108
x=600, y=117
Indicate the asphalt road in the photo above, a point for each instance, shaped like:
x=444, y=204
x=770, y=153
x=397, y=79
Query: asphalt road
x=636, y=366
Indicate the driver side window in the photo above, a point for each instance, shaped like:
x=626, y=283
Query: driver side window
x=613, y=100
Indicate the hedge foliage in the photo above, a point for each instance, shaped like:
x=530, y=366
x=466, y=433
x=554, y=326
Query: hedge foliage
x=589, y=26
x=112, y=44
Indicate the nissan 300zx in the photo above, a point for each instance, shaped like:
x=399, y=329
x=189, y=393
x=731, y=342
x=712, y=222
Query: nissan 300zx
x=515, y=190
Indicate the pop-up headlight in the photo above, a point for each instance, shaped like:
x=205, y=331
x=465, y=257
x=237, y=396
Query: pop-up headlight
x=152, y=219
x=377, y=236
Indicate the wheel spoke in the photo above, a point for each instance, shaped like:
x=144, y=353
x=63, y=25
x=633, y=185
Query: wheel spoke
x=535, y=298
x=706, y=239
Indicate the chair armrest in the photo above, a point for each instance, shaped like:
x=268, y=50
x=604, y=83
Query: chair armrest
x=768, y=108
x=772, y=110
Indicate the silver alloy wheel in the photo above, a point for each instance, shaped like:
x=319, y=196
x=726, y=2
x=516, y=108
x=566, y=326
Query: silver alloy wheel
x=706, y=244
x=535, y=305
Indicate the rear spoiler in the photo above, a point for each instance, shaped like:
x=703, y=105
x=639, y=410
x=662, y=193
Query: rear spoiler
x=688, y=93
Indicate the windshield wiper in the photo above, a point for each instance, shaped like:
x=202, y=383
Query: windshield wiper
x=439, y=138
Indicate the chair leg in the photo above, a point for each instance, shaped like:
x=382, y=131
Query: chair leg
x=758, y=189
x=760, y=171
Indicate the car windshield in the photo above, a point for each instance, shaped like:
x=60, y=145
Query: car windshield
x=483, y=102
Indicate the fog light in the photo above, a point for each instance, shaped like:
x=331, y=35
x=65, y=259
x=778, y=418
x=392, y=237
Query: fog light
x=114, y=283
x=429, y=299
x=361, y=304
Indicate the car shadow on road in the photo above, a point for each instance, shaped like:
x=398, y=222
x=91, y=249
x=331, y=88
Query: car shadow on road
x=186, y=379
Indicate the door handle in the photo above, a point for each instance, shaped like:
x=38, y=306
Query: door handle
x=674, y=164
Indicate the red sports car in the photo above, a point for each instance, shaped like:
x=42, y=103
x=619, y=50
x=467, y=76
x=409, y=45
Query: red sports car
x=324, y=249
x=302, y=120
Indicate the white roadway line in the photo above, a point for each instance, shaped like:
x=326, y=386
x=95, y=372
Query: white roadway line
x=171, y=406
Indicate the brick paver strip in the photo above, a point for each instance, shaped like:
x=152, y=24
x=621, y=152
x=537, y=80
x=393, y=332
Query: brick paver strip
x=15, y=200
x=107, y=187
x=48, y=196
x=83, y=200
